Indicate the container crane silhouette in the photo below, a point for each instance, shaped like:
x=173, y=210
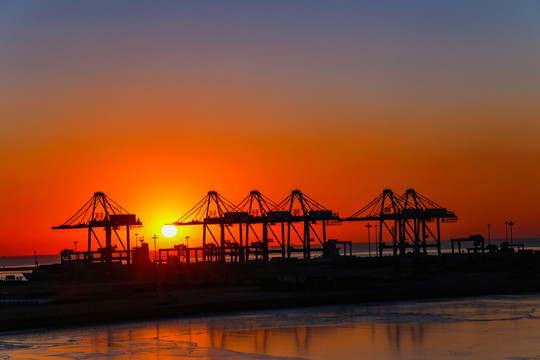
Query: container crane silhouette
x=100, y=211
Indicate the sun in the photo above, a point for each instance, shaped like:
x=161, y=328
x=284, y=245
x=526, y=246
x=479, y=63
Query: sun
x=169, y=230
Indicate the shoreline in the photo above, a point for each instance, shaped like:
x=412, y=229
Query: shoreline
x=185, y=302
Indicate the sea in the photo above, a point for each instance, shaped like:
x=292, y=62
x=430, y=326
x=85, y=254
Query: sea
x=9, y=264
x=491, y=327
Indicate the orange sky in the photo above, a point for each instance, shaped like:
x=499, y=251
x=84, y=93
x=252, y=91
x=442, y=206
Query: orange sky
x=155, y=112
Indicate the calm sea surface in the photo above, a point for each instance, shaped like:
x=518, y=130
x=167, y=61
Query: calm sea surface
x=496, y=327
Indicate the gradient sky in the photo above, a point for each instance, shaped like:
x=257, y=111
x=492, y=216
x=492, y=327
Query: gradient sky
x=155, y=103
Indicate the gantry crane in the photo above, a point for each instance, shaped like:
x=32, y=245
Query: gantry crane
x=406, y=219
x=254, y=209
x=101, y=211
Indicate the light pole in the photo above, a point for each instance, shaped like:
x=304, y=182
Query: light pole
x=511, y=238
x=368, y=239
x=187, y=242
x=489, y=235
x=155, y=247
x=506, y=228
x=394, y=240
x=75, y=243
x=376, y=242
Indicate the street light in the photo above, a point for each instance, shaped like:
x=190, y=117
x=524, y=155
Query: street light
x=368, y=239
x=75, y=243
x=489, y=235
x=155, y=247
x=510, y=223
x=376, y=242
x=187, y=241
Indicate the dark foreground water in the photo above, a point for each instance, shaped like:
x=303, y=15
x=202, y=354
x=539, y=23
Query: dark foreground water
x=496, y=327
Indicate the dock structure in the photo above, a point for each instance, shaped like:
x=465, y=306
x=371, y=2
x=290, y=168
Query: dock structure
x=477, y=242
x=258, y=228
x=406, y=219
x=247, y=229
x=100, y=211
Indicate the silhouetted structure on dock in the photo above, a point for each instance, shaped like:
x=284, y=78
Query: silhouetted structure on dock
x=245, y=231
x=101, y=212
x=406, y=219
x=259, y=218
x=476, y=240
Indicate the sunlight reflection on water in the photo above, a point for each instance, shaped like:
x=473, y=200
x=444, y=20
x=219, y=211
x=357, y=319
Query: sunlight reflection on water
x=497, y=327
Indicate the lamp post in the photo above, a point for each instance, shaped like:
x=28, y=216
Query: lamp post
x=155, y=247
x=510, y=223
x=506, y=228
x=368, y=239
x=394, y=240
x=75, y=243
x=187, y=242
x=489, y=235
x=376, y=242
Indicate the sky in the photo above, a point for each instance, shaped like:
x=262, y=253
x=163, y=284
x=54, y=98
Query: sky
x=156, y=103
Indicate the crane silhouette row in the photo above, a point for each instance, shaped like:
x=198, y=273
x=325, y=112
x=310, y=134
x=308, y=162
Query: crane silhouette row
x=260, y=221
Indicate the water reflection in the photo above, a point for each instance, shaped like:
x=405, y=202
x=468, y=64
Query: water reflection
x=396, y=333
x=263, y=341
x=461, y=329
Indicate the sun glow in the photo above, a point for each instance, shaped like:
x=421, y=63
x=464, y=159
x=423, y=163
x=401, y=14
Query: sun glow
x=169, y=230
